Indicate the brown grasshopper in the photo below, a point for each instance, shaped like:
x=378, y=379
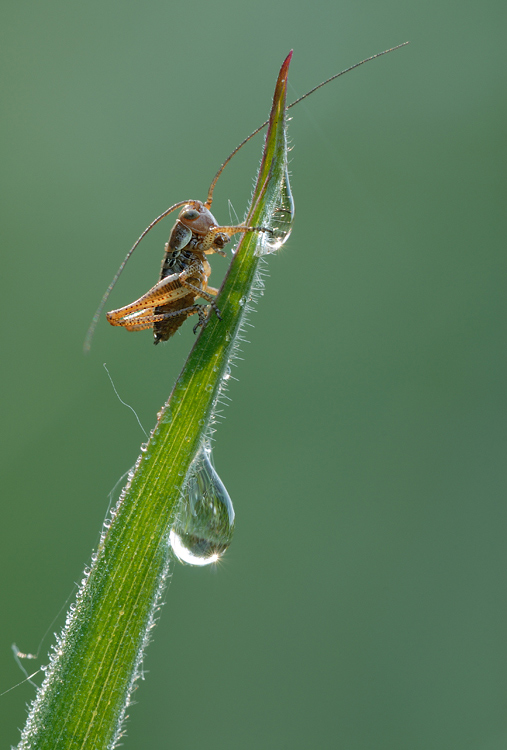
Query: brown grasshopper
x=183, y=276
x=185, y=269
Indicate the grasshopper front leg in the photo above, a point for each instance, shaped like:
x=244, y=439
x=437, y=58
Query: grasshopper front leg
x=217, y=237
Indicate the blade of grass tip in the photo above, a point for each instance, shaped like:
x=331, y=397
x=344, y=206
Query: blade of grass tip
x=95, y=662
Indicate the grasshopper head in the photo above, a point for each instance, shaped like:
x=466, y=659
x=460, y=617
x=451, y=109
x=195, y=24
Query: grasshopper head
x=196, y=217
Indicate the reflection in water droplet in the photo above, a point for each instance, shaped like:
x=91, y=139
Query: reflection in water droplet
x=281, y=221
x=205, y=517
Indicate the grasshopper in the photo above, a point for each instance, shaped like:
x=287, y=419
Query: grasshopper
x=183, y=276
x=185, y=270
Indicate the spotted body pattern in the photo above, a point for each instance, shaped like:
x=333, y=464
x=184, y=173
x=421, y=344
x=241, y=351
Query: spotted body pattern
x=183, y=276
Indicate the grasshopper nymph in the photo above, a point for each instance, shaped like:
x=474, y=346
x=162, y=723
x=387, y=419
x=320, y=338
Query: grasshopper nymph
x=183, y=276
x=185, y=269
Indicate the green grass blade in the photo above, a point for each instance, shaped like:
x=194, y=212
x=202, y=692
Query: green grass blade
x=95, y=662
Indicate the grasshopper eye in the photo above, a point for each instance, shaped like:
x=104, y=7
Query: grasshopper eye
x=190, y=214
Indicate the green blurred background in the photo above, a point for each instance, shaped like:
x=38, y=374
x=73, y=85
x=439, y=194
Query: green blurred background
x=361, y=604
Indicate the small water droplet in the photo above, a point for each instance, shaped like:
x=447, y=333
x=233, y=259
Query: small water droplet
x=209, y=387
x=242, y=301
x=227, y=373
x=144, y=447
x=281, y=221
x=205, y=518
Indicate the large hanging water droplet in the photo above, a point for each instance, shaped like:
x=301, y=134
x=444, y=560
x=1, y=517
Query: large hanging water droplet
x=205, y=517
x=281, y=222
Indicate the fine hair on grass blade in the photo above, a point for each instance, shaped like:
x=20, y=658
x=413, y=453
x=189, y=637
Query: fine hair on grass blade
x=95, y=662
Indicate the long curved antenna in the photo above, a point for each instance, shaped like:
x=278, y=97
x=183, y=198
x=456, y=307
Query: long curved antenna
x=95, y=319
x=328, y=80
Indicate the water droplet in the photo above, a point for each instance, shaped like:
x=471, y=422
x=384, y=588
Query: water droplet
x=209, y=387
x=205, y=517
x=144, y=447
x=281, y=221
x=242, y=301
x=227, y=373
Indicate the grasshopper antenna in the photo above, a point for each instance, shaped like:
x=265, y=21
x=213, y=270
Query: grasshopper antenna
x=209, y=200
x=91, y=330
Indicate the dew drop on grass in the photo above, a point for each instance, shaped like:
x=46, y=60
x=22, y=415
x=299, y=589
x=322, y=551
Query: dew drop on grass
x=281, y=221
x=205, y=517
